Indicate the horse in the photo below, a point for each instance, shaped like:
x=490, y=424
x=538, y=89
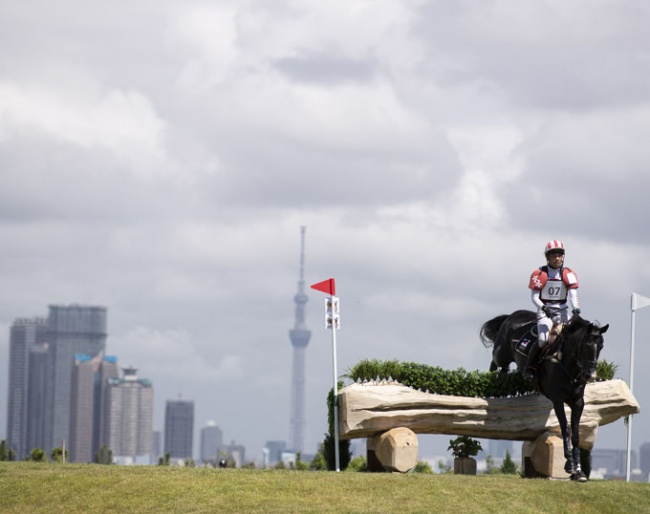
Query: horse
x=565, y=369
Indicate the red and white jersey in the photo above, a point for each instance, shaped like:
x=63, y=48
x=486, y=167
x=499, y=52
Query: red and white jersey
x=553, y=284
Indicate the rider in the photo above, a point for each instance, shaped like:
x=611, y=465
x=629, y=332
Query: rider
x=552, y=288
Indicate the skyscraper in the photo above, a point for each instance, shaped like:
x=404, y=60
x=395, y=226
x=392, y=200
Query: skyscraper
x=211, y=440
x=299, y=336
x=179, y=428
x=71, y=329
x=128, y=415
x=37, y=396
x=25, y=334
x=82, y=399
x=89, y=380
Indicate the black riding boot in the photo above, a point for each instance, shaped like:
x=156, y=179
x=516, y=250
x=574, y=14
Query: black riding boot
x=529, y=368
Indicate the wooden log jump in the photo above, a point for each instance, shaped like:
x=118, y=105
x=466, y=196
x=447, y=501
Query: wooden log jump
x=371, y=409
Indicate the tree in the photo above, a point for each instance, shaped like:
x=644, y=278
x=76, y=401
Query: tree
x=444, y=468
x=164, y=461
x=300, y=465
x=423, y=467
x=6, y=453
x=104, y=455
x=358, y=463
x=318, y=463
x=57, y=455
x=508, y=467
x=345, y=454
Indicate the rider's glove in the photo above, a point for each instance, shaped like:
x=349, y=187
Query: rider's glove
x=576, y=312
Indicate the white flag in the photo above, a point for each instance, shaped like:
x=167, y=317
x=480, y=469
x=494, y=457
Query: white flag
x=639, y=302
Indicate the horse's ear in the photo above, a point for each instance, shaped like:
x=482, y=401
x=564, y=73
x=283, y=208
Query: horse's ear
x=604, y=329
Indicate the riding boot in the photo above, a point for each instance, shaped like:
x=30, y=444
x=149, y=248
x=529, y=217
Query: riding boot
x=531, y=361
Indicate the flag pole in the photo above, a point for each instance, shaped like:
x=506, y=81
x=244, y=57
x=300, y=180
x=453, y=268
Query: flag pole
x=629, y=419
x=335, y=406
x=331, y=321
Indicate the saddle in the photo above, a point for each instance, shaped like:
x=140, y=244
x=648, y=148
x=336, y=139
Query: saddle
x=525, y=336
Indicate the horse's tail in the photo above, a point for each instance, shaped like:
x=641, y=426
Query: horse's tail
x=490, y=329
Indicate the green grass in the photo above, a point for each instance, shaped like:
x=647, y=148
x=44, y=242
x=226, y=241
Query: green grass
x=75, y=488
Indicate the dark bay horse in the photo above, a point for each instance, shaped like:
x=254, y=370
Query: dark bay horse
x=562, y=374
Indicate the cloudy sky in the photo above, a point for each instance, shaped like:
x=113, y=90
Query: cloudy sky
x=159, y=158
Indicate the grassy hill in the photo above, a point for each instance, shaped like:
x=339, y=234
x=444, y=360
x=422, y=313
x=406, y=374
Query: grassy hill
x=74, y=488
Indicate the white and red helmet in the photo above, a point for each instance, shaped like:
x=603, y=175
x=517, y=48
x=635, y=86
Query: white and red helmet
x=554, y=246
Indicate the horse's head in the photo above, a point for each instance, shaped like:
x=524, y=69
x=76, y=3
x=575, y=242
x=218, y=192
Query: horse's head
x=585, y=343
x=591, y=346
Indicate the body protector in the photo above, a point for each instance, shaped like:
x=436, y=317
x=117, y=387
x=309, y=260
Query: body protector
x=551, y=292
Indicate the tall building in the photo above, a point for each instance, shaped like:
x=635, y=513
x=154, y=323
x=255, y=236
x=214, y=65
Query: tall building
x=82, y=399
x=128, y=416
x=156, y=451
x=71, y=329
x=25, y=334
x=211, y=440
x=299, y=336
x=108, y=369
x=179, y=428
x=89, y=379
x=37, y=396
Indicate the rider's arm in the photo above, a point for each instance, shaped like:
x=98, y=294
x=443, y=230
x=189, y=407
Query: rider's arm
x=534, y=296
x=573, y=298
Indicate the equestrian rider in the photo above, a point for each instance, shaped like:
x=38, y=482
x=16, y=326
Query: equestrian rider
x=552, y=288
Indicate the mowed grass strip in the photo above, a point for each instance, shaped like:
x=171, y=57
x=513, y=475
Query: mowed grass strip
x=74, y=488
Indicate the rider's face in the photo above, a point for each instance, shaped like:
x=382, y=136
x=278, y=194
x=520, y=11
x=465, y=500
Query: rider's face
x=555, y=259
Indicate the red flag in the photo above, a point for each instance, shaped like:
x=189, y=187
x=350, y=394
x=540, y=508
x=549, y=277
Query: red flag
x=326, y=286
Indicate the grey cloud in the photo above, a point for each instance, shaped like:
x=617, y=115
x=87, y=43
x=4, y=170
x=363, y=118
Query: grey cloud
x=323, y=68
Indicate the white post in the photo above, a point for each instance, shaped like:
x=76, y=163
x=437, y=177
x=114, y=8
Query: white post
x=335, y=402
x=645, y=302
x=629, y=419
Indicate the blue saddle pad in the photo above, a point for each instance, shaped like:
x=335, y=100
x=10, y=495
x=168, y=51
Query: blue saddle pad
x=525, y=338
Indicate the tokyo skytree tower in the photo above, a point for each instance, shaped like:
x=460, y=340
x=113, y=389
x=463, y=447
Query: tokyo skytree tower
x=299, y=336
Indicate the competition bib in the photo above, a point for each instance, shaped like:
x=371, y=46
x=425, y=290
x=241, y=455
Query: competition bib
x=554, y=291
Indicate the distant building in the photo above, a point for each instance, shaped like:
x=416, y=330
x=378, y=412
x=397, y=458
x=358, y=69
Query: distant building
x=612, y=463
x=73, y=329
x=37, y=397
x=644, y=460
x=234, y=454
x=128, y=416
x=273, y=452
x=179, y=428
x=211, y=441
x=89, y=378
x=24, y=335
x=156, y=451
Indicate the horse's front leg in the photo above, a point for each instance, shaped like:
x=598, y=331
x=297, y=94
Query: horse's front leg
x=576, y=414
x=570, y=466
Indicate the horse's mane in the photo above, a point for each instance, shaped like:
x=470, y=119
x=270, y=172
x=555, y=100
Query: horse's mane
x=576, y=325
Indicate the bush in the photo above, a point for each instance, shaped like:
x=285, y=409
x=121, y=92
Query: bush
x=37, y=455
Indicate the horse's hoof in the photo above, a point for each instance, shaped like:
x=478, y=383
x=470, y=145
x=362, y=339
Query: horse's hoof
x=579, y=476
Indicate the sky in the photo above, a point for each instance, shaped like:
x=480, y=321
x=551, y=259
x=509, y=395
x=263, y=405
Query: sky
x=159, y=158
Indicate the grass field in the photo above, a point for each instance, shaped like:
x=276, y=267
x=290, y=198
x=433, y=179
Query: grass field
x=75, y=488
